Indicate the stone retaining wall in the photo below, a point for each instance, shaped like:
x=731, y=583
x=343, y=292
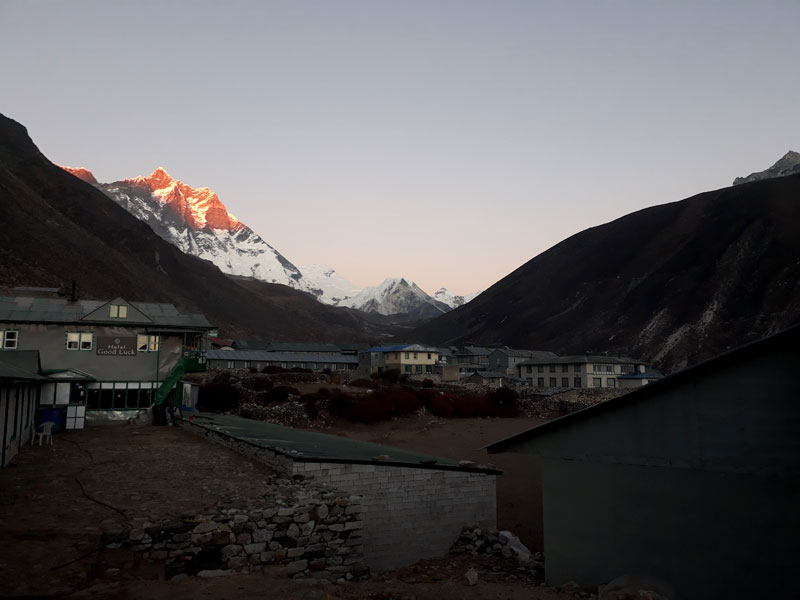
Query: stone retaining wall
x=310, y=531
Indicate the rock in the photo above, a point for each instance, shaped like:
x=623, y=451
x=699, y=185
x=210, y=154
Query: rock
x=322, y=511
x=262, y=535
x=635, y=587
x=293, y=531
x=205, y=527
x=136, y=534
x=214, y=573
x=255, y=548
x=297, y=566
x=308, y=527
x=471, y=576
x=239, y=519
x=237, y=562
x=505, y=552
x=231, y=550
x=295, y=552
x=244, y=539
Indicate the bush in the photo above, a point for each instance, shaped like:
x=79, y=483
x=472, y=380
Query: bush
x=273, y=369
x=217, y=397
x=258, y=384
x=427, y=383
x=362, y=383
x=300, y=370
x=340, y=404
x=280, y=393
x=383, y=404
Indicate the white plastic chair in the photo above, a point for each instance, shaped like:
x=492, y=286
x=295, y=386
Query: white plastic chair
x=44, y=430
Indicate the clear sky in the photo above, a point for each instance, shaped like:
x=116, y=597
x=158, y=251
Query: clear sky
x=448, y=142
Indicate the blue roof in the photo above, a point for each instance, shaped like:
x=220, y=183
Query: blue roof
x=265, y=356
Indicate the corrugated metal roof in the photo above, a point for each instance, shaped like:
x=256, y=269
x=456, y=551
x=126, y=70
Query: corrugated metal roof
x=493, y=374
x=403, y=348
x=20, y=365
x=583, y=358
x=264, y=356
x=29, y=309
x=310, y=446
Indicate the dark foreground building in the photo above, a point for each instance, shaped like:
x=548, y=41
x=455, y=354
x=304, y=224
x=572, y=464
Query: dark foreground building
x=693, y=480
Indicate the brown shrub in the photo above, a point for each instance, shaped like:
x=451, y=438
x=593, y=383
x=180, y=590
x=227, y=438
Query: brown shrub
x=280, y=393
x=363, y=383
x=217, y=397
x=383, y=404
x=257, y=384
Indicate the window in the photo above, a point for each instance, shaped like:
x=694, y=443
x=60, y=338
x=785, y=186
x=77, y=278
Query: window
x=118, y=311
x=415, y=356
x=9, y=339
x=147, y=343
x=408, y=369
x=576, y=382
x=418, y=369
x=396, y=355
x=597, y=382
x=540, y=381
x=565, y=382
x=553, y=382
x=77, y=340
x=565, y=368
x=627, y=369
x=429, y=355
x=603, y=368
x=429, y=368
x=577, y=367
x=540, y=369
x=230, y=364
x=552, y=368
x=611, y=382
x=529, y=369
x=407, y=355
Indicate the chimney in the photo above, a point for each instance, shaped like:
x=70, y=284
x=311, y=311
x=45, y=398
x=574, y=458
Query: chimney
x=74, y=296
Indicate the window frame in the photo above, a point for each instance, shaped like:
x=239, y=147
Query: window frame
x=6, y=342
x=80, y=341
x=117, y=311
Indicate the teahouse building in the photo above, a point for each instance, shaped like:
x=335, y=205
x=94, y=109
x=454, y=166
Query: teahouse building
x=110, y=357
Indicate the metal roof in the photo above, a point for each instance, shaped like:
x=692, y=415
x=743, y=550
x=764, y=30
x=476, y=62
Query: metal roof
x=473, y=351
x=493, y=375
x=264, y=356
x=30, y=309
x=583, y=358
x=403, y=348
x=255, y=345
x=311, y=446
x=20, y=365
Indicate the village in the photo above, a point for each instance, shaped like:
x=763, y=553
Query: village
x=328, y=462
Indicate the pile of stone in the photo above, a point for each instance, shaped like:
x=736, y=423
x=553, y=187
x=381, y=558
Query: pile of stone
x=314, y=534
x=291, y=413
x=475, y=541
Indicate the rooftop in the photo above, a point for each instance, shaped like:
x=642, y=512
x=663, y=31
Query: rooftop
x=311, y=446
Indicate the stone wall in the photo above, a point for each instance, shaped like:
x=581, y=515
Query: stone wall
x=308, y=530
x=410, y=513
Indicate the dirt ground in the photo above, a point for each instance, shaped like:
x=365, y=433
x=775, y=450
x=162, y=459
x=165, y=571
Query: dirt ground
x=60, y=505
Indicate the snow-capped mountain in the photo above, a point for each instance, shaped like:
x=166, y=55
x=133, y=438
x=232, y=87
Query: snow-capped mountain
x=447, y=297
x=334, y=287
x=788, y=164
x=394, y=296
x=196, y=221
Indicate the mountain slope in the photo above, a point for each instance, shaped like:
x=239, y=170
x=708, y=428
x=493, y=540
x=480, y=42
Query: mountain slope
x=673, y=284
x=58, y=228
x=333, y=286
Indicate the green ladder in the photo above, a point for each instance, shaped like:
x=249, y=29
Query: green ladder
x=174, y=376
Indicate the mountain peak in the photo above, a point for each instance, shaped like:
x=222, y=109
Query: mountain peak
x=81, y=173
x=788, y=164
x=199, y=208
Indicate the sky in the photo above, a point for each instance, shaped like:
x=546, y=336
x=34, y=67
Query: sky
x=447, y=142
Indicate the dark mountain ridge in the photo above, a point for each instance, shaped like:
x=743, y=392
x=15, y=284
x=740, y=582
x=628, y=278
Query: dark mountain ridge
x=672, y=284
x=58, y=228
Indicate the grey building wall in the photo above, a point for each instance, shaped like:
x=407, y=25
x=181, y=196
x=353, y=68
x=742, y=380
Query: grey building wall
x=17, y=407
x=694, y=480
x=408, y=513
x=708, y=535
x=50, y=341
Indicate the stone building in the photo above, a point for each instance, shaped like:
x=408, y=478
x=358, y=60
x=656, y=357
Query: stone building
x=413, y=505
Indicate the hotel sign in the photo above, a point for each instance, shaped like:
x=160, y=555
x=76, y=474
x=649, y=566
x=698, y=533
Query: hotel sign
x=116, y=346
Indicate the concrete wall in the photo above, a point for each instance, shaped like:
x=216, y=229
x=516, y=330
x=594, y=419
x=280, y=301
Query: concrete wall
x=410, y=513
x=708, y=535
x=50, y=341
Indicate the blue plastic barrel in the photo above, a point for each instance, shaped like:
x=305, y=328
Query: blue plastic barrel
x=51, y=414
